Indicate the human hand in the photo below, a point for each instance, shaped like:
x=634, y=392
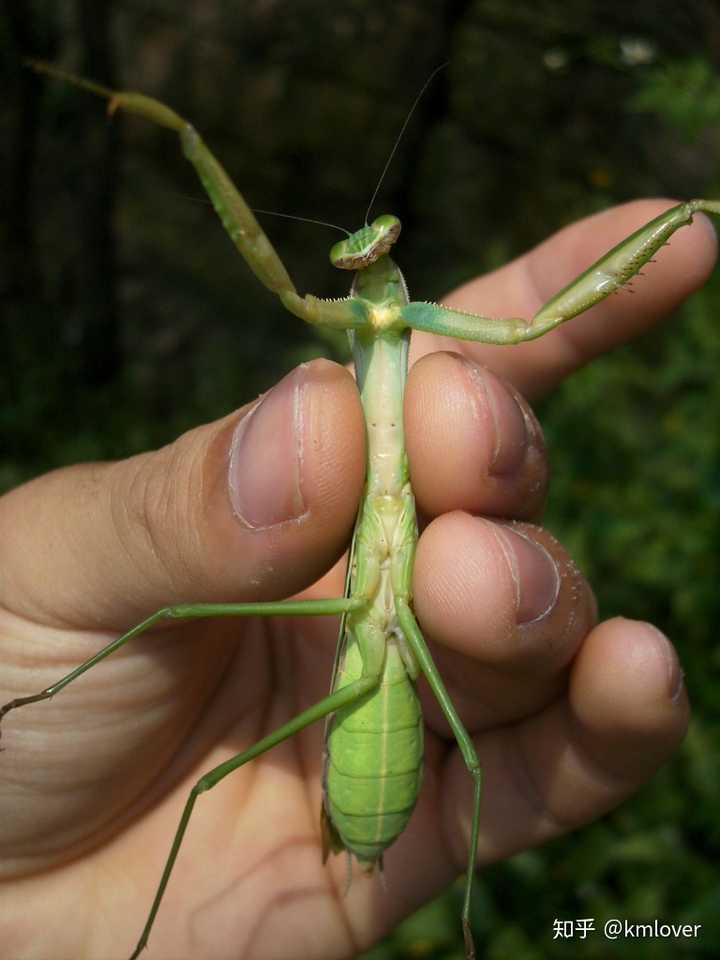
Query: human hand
x=568, y=717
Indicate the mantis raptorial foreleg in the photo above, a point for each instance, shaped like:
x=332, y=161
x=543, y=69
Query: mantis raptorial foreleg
x=344, y=697
x=607, y=275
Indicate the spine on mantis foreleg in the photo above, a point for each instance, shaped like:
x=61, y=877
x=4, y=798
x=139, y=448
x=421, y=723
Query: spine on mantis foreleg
x=618, y=266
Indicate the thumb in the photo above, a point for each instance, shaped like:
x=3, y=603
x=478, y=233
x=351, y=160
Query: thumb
x=254, y=506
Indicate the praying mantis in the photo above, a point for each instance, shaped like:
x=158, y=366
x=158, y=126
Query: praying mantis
x=374, y=725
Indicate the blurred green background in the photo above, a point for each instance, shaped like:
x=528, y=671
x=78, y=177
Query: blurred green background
x=127, y=316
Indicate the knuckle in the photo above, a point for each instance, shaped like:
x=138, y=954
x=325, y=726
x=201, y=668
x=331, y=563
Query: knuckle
x=156, y=514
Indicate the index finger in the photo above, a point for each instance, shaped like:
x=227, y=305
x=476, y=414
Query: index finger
x=522, y=286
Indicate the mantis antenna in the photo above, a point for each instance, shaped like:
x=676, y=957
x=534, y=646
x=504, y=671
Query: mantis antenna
x=292, y=216
x=399, y=137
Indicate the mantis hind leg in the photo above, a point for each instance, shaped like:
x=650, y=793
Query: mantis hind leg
x=335, y=701
x=194, y=611
x=419, y=647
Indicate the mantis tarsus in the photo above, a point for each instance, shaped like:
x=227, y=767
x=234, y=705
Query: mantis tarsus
x=374, y=724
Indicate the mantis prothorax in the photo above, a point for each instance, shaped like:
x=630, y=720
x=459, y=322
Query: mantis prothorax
x=374, y=722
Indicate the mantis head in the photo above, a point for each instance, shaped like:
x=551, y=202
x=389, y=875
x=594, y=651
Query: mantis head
x=367, y=244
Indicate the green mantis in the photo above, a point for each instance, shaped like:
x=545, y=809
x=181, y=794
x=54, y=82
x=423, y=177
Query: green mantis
x=374, y=735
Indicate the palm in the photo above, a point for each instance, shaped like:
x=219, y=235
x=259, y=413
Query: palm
x=250, y=872
x=183, y=701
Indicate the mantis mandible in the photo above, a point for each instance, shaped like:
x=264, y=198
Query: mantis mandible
x=374, y=724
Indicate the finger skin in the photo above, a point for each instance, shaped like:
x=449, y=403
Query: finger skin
x=99, y=547
x=522, y=286
x=473, y=442
x=624, y=714
x=64, y=507
x=166, y=527
x=620, y=715
x=508, y=610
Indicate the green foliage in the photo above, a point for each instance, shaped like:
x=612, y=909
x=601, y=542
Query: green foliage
x=686, y=93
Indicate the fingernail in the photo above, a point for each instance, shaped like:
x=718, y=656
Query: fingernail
x=677, y=686
x=265, y=473
x=536, y=577
x=509, y=422
x=675, y=676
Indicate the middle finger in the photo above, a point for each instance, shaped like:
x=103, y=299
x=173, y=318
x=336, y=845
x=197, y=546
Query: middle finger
x=473, y=442
x=507, y=609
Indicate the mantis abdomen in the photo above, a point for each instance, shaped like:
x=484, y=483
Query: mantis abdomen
x=375, y=759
